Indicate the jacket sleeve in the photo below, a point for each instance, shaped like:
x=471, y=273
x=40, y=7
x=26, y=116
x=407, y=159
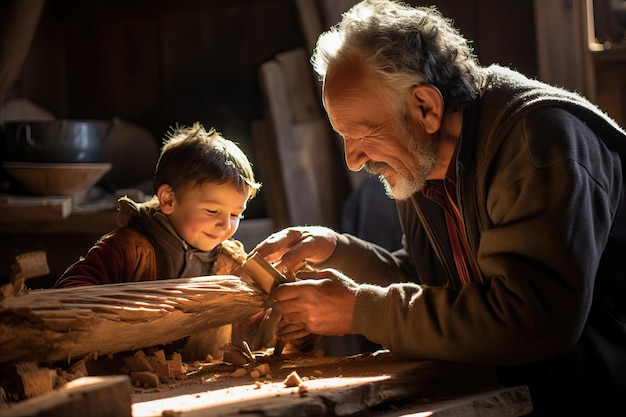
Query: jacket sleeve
x=121, y=256
x=369, y=263
x=552, y=197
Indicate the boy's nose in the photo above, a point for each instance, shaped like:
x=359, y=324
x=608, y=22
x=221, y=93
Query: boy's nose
x=224, y=222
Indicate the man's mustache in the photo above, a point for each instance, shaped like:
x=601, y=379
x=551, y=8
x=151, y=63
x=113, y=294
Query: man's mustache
x=375, y=167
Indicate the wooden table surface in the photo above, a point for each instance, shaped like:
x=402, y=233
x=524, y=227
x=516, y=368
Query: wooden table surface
x=343, y=387
x=332, y=386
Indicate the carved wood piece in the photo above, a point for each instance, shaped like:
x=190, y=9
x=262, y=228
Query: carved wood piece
x=62, y=324
x=263, y=274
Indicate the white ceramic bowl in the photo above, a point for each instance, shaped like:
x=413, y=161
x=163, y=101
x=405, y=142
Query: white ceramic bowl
x=48, y=179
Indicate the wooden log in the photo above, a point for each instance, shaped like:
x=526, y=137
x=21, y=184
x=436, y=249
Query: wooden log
x=62, y=324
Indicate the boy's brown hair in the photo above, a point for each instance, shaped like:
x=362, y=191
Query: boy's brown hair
x=191, y=156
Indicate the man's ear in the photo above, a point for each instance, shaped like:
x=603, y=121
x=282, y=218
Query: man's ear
x=427, y=104
x=165, y=194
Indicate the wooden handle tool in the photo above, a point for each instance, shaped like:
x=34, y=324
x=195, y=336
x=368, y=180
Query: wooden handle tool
x=263, y=274
x=267, y=278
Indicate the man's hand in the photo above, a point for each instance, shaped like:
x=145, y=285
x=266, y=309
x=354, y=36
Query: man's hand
x=291, y=248
x=319, y=302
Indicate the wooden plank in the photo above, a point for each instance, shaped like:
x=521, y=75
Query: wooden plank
x=270, y=173
x=14, y=209
x=280, y=118
x=62, y=324
x=98, y=223
x=323, y=169
x=311, y=169
x=83, y=397
x=299, y=82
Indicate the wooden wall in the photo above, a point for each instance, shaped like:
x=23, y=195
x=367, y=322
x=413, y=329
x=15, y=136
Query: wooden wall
x=159, y=62
x=156, y=62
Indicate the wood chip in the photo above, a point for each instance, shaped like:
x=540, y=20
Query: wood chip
x=264, y=369
x=145, y=379
x=292, y=380
x=160, y=355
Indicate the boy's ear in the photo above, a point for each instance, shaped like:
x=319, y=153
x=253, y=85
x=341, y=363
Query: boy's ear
x=428, y=106
x=165, y=194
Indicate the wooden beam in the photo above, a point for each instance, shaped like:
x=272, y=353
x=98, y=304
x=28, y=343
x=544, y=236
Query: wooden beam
x=69, y=323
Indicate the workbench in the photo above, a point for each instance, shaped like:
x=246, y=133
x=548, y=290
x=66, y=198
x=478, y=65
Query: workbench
x=378, y=385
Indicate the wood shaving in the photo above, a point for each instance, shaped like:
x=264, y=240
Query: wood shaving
x=292, y=380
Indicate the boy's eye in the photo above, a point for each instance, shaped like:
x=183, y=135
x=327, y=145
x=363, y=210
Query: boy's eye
x=237, y=216
x=211, y=211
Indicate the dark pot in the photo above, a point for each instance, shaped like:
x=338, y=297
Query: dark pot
x=54, y=141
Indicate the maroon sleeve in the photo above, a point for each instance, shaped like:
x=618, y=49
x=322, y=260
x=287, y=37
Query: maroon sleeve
x=120, y=256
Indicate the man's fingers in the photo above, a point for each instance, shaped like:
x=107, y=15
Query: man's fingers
x=284, y=292
x=292, y=259
x=276, y=244
x=313, y=274
x=291, y=331
x=284, y=327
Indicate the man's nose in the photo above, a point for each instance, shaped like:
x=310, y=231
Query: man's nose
x=354, y=157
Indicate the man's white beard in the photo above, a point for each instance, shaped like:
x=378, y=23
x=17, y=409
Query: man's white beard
x=423, y=151
x=403, y=189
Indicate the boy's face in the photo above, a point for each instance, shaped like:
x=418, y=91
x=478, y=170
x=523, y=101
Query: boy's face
x=205, y=215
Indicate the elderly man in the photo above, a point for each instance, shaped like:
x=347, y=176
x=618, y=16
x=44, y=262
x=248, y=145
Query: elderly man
x=511, y=198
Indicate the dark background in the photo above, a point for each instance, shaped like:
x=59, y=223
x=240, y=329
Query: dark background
x=156, y=63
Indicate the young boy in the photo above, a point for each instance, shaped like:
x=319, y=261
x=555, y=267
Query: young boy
x=203, y=183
